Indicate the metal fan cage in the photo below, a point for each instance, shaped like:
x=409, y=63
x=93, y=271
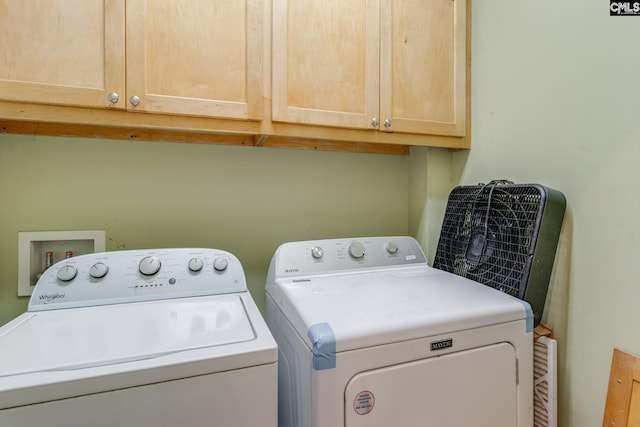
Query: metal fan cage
x=489, y=234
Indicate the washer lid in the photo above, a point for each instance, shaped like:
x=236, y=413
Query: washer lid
x=373, y=308
x=72, y=339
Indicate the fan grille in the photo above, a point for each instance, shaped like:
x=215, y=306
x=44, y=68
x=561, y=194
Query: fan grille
x=489, y=234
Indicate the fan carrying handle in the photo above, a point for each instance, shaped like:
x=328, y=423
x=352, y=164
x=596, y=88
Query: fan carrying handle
x=492, y=184
x=497, y=182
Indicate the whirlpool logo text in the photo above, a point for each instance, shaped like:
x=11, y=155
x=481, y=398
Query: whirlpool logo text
x=51, y=297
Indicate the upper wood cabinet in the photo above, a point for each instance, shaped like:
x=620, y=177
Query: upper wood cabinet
x=393, y=65
x=67, y=52
x=196, y=57
x=279, y=73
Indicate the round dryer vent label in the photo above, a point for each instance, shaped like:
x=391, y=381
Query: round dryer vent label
x=364, y=402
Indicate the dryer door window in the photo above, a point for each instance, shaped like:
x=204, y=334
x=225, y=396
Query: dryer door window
x=470, y=388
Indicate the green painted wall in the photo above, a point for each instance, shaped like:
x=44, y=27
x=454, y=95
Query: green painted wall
x=555, y=100
x=149, y=194
x=431, y=180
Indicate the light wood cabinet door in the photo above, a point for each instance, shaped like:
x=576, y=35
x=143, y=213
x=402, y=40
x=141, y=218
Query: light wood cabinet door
x=423, y=66
x=392, y=65
x=68, y=52
x=195, y=57
x=326, y=62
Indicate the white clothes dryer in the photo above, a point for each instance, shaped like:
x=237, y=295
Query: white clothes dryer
x=166, y=337
x=369, y=335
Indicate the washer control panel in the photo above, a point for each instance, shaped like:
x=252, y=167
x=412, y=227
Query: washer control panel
x=137, y=275
x=327, y=256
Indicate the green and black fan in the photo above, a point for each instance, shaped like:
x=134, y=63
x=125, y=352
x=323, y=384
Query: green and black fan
x=503, y=235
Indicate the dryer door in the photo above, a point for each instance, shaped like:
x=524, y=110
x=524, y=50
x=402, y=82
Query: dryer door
x=471, y=388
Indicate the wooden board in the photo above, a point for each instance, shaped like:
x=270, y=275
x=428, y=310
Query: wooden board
x=623, y=396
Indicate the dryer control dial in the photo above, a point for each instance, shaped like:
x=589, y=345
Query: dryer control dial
x=299, y=259
x=317, y=252
x=357, y=250
x=149, y=265
x=392, y=248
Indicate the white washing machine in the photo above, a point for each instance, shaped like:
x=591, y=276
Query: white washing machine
x=369, y=335
x=167, y=337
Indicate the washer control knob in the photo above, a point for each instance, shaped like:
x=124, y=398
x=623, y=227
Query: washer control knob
x=356, y=250
x=220, y=264
x=196, y=264
x=98, y=270
x=392, y=248
x=317, y=252
x=149, y=265
x=67, y=273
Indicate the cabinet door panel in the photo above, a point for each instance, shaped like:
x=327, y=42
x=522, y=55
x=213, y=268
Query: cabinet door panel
x=197, y=57
x=423, y=66
x=325, y=62
x=67, y=52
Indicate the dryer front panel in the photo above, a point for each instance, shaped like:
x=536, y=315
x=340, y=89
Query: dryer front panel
x=471, y=388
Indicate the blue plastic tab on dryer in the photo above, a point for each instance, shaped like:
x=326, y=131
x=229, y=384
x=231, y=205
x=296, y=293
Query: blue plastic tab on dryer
x=529, y=313
x=323, y=346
